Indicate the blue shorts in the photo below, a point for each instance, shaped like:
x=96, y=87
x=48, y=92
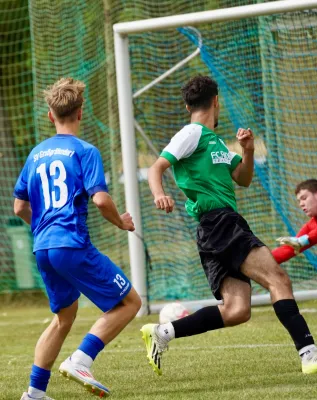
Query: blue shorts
x=67, y=272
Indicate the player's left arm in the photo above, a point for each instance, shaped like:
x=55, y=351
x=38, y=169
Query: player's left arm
x=23, y=210
x=243, y=173
x=96, y=187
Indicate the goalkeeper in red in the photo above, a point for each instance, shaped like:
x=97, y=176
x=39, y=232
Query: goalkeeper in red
x=230, y=253
x=306, y=193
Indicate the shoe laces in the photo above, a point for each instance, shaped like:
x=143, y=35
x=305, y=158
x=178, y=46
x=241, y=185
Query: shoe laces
x=161, y=343
x=311, y=356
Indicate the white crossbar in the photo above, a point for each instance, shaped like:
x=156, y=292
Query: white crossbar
x=225, y=14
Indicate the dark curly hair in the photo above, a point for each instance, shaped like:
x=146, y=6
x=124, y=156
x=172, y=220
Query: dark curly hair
x=199, y=92
x=310, y=185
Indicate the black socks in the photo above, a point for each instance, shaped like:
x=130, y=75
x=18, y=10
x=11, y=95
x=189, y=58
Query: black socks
x=288, y=313
x=203, y=320
x=209, y=319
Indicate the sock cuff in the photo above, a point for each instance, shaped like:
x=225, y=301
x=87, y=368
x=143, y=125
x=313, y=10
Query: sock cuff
x=40, y=371
x=39, y=378
x=91, y=345
x=95, y=339
x=288, y=306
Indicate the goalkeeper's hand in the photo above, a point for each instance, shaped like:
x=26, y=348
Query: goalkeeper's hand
x=296, y=242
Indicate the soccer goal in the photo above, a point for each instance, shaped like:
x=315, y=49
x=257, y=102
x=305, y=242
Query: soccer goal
x=264, y=58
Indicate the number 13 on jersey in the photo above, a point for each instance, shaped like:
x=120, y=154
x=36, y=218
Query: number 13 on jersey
x=57, y=182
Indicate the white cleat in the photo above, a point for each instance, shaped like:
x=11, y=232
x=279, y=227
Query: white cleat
x=309, y=361
x=84, y=377
x=25, y=396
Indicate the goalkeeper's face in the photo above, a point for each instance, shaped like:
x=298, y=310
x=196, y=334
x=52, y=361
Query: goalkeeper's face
x=307, y=202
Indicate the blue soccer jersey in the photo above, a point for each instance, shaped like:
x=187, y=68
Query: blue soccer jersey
x=59, y=176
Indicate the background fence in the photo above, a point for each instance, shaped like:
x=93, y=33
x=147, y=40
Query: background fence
x=266, y=68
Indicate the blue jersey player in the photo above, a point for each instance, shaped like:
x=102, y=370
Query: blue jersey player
x=52, y=194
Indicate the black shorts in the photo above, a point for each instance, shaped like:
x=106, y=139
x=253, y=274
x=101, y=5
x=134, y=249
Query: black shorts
x=224, y=240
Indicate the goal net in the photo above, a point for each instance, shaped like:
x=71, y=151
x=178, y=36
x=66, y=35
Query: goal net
x=266, y=69
x=265, y=66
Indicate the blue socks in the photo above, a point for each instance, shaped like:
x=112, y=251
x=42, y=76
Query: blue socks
x=91, y=345
x=39, y=378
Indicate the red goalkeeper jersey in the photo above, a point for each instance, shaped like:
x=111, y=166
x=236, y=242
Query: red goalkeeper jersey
x=284, y=253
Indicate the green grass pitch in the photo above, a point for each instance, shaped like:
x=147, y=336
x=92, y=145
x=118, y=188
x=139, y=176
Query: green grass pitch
x=253, y=361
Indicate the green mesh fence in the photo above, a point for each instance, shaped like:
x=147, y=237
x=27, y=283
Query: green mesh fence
x=17, y=137
x=266, y=69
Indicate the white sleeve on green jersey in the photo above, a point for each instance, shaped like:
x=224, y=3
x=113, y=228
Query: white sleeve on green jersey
x=235, y=159
x=184, y=143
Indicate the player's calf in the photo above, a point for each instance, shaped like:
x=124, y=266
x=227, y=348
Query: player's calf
x=279, y=285
x=288, y=313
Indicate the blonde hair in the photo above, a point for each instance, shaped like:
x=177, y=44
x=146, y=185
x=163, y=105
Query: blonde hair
x=65, y=97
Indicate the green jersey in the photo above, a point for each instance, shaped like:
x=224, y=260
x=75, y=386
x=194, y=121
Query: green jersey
x=202, y=166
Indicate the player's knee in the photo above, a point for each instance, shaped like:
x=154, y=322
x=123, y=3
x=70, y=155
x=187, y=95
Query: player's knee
x=65, y=325
x=241, y=315
x=64, y=320
x=133, y=301
x=236, y=314
x=137, y=303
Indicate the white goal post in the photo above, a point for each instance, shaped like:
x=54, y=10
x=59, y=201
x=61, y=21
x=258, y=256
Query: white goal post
x=126, y=115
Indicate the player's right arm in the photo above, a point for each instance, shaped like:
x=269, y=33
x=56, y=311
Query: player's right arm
x=23, y=210
x=182, y=145
x=155, y=174
x=22, y=207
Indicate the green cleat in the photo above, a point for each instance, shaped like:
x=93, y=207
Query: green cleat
x=155, y=345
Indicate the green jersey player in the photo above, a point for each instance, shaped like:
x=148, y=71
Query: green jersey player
x=230, y=253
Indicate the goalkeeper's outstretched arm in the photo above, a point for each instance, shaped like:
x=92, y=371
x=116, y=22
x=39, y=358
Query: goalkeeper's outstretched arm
x=293, y=245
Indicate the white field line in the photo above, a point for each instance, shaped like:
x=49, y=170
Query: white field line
x=79, y=320
x=180, y=348
x=43, y=321
x=268, y=308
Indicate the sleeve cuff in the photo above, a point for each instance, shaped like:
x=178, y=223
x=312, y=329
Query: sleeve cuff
x=21, y=196
x=303, y=240
x=169, y=157
x=236, y=160
x=96, y=189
